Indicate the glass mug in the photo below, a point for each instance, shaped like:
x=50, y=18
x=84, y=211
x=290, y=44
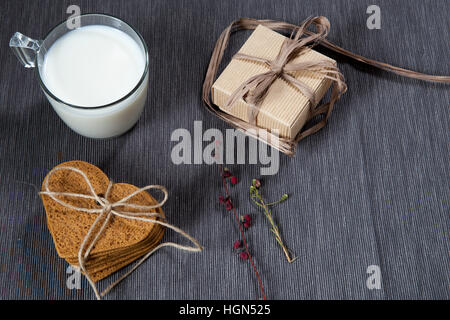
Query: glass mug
x=104, y=121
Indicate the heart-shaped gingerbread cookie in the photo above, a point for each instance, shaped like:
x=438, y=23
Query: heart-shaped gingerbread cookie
x=122, y=241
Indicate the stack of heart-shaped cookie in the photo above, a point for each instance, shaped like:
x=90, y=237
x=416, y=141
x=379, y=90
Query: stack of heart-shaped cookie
x=123, y=240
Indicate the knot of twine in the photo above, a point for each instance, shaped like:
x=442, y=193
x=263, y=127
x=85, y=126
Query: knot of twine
x=106, y=211
x=254, y=90
x=276, y=69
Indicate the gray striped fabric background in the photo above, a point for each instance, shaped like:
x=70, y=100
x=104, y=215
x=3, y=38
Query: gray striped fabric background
x=372, y=188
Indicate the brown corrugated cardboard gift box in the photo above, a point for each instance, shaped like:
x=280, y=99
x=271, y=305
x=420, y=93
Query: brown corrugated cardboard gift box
x=284, y=107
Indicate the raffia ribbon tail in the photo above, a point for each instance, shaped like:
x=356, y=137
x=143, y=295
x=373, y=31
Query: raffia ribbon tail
x=106, y=211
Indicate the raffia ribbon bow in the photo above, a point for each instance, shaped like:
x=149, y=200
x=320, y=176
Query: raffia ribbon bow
x=254, y=90
x=106, y=211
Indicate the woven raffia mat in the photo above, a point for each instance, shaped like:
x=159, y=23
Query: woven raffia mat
x=122, y=242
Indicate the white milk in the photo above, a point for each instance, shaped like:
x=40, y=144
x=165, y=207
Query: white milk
x=94, y=66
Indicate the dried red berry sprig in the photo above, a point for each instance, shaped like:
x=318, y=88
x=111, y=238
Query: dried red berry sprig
x=245, y=253
x=227, y=174
x=246, y=221
x=240, y=248
x=227, y=202
x=256, y=197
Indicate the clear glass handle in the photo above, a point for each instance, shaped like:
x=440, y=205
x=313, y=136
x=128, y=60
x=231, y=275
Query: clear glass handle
x=25, y=49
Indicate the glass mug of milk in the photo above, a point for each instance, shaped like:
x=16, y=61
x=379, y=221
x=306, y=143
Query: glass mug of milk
x=95, y=76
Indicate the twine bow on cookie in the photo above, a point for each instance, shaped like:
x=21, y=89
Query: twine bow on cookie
x=106, y=211
x=254, y=90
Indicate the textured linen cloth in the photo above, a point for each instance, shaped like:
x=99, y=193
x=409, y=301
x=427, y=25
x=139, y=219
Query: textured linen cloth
x=372, y=188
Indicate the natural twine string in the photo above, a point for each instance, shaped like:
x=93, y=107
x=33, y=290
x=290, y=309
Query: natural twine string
x=106, y=211
x=254, y=89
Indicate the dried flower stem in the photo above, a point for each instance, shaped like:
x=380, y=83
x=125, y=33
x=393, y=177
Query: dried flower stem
x=255, y=194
